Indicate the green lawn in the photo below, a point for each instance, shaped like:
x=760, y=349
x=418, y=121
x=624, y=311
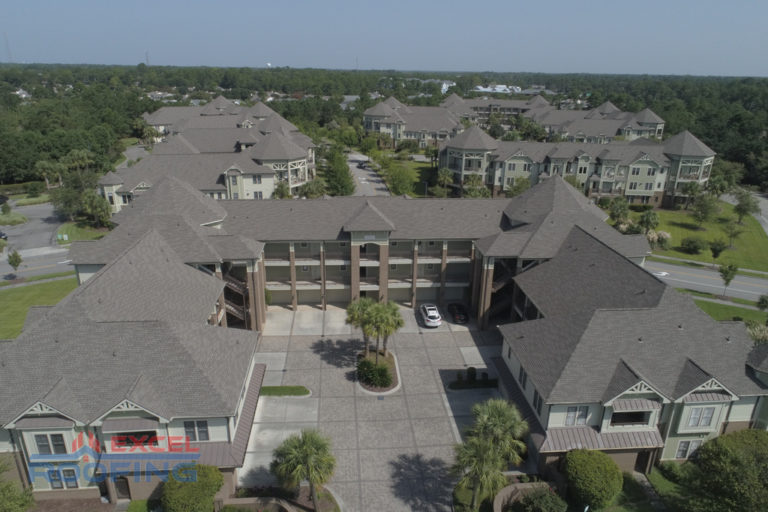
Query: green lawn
x=284, y=391
x=750, y=248
x=673, y=495
x=25, y=200
x=721, y=312
x=15, y=303
x=632, y=498
x=424, y=172
x=37, y=278
x=78, y=231
x=12, y=219
x=736, y=300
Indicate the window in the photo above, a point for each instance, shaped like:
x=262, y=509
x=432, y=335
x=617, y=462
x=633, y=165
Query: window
x=393, y=267
x=635, y=171
x=537, y=402
x=125, y=199
x=258, y=195
x=522, y=377
x=304, y=268
x=633, y=185
x=649, y=186
x=630, y=418
x=55, y=478
x=342, y=268
x=687, y=448
x=70, y=478
x=582, y=170
x=511, y=167
x=257, y=179
x=196, y=430
x=651, y=172
x=43, y=446
x=233, y=180
x=393, y=244
x=576, y=416
x=701, y=416
x=509, y=352
x=111, y=199
x=235, y=196
x=303, y=244
x=57, y=440
x=219, y=195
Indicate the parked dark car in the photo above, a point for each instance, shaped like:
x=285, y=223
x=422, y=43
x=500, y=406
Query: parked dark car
x=361, y=165
x=458, y=313
x=3, y=236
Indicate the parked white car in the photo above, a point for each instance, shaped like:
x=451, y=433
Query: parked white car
x=430, y=315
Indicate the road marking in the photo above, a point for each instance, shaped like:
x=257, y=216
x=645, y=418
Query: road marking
x=713, y=278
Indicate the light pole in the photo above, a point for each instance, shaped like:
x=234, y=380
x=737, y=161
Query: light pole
x=425, y=188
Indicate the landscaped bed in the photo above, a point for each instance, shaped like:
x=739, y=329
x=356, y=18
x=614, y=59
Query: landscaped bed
x=389, y=362
x=284, y=391
x=301, y=500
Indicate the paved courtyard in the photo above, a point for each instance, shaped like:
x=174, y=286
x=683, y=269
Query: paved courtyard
x=394, y=451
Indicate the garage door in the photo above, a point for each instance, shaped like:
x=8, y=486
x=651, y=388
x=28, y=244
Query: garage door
x=309, y=297
x=426, y=294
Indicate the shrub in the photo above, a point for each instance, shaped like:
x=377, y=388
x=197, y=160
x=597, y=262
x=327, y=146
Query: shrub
x=372, y=374
x=604, y=202
x=138, y=506
x=672, y=471
x=35, y=188
x=640, y=207
x=195, y=495
x=267, y=297
x=693, y=245
x=540, y=500
x=5, y=209
x=471, y=374
x=594, y=479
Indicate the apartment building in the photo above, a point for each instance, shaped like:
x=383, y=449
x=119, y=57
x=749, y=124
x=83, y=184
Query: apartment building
x=601, y=125
x=643, y=171
x=223, y=149
x=605, y=356
x=129, y=376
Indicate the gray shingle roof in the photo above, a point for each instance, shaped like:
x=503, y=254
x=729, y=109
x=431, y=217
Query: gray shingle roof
x=368, y=218
x=607, y=312
x=276, y=146
x=473, y=138
x=686, y=144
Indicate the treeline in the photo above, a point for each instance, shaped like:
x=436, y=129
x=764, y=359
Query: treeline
x=91, y=107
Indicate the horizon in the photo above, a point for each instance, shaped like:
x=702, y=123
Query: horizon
x=655, y=38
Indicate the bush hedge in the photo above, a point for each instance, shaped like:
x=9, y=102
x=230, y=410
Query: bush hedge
x=640, y=207
x=693, y=245
x=594, y=479
x=540, y=500
x=372, y=374
x=195, y=495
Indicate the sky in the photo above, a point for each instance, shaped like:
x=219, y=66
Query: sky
x=678, y=37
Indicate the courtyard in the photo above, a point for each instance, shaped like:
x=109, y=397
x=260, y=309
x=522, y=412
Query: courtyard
x=394, y=450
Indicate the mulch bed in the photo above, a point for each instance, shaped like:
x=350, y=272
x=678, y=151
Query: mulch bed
x=389, y=360
x=88, y=505
x=302, y=501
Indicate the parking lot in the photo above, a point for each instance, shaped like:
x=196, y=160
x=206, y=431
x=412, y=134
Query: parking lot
x=393, y=451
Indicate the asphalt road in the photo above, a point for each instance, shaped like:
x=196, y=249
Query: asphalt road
x=706, y=280
x=367, y=182
x=36, y=242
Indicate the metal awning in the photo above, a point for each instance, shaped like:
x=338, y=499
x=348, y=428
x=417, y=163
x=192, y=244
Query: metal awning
x=44, y=422
x=712, y=396
x=635, y=404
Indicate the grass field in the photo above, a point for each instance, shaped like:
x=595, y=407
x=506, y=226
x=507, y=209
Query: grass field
x=721, y=312
x=12, y=219
x=37, y=278
x=79, y=231
x=15, y=303
x=750, y=248
x=24, y=200
x=736, y=300
x=284, y=391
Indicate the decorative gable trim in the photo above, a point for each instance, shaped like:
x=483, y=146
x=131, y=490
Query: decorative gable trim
x=128, y=406
x=39, y=409
x=641, y=387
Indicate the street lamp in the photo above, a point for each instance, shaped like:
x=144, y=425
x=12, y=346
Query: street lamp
x=425, y=188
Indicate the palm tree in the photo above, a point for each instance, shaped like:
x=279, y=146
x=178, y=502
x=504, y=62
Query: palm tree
x=479, y=465
x=305, y=456
x=356, y=314
x=393, y=321
x=500, y=422
x=444, y=177
x=649, y=220
x=374, y=322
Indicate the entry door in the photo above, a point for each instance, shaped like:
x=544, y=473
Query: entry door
x=122, y=489
x=641, y=463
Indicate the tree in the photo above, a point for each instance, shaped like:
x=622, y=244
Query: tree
x=520, y=186
x=746, y=204
x=313, y=189
x=193, y=494
x=356, y=314
x=433, y=152
x=479, y=465
x=690, y=190
x=594, y=479
x=704, y=208
x=762, y=303
x=574, y=182
x=500, y=422
x=282, y=190
x=14, y=259
x=392, y=322
x=401, y=180
x=618, y=210
x=731, y=472
x=727, y=273
x=474, y=186
x=732, y=231
x=649, y=220
x=5, y=209
x=444, y=178
x=716, y=247
x=96, y=207
x=12, y=497
x=306, y=456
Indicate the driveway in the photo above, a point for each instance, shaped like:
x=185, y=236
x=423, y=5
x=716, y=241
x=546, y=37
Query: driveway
x=393, y=451
x=36, y=242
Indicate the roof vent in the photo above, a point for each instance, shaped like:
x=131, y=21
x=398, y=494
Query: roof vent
x=727, y=339
x=114, y=353
x=680, y=326
x=640, y=339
